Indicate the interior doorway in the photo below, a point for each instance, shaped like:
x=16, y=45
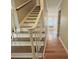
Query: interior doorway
x=59, y=22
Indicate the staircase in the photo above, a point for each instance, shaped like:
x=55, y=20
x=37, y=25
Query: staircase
x=31, y=18
x=29, y=42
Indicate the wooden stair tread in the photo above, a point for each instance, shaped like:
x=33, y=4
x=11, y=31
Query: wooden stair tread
x=32, y=15
x=35, y=12
x=24, y=58
x=24, y=49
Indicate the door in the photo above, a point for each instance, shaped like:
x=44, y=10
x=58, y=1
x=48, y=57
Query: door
x=59, y=20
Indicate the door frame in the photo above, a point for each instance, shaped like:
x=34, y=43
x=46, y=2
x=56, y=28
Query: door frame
x=59, y=22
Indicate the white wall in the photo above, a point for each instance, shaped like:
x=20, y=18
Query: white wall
x=64, y=23
x=52, y=7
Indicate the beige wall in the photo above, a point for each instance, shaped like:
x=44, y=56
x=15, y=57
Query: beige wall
x=64, y=23
x=22, y=12
x=37, y=2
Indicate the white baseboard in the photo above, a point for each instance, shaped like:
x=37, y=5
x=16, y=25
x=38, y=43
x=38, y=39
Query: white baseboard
x=63, y=45
x=45, y=47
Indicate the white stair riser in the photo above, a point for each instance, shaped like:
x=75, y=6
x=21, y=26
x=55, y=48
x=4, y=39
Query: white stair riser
x=27, y=35
x=30, y=20
x=24, y=29
x=26, y=43
x=29, y=24
x=25, y=55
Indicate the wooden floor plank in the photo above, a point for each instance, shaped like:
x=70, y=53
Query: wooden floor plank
x=55, y=50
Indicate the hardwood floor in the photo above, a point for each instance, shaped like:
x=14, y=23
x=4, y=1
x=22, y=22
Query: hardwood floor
x=54, y=49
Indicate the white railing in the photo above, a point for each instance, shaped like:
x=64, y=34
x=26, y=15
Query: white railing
x=38, y=38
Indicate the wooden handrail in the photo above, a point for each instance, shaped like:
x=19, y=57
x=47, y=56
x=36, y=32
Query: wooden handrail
x=17, y=8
